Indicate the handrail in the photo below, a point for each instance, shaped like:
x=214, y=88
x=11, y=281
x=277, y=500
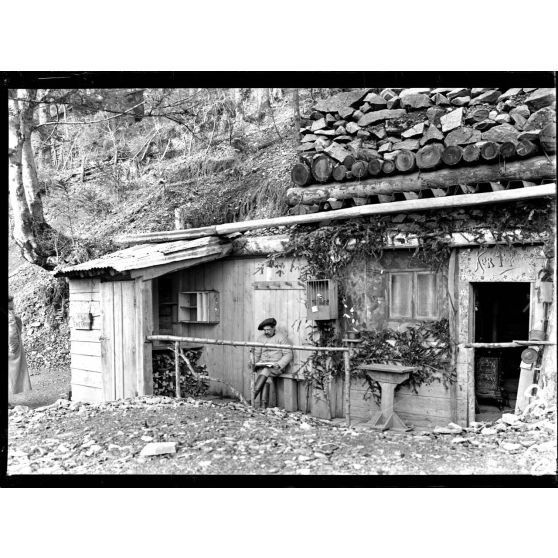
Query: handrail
x=506, y=345
x=206, y=341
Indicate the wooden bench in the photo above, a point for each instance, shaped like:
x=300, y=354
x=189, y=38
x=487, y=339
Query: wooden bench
x=389, y=376
x=284, y=389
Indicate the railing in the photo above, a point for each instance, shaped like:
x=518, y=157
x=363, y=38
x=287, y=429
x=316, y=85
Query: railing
x=506, y=345
x=206, y=341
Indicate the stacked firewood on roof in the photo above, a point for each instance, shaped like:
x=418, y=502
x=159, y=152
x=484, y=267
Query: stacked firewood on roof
x=371, y=133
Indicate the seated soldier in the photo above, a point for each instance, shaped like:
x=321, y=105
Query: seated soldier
x=272, y=361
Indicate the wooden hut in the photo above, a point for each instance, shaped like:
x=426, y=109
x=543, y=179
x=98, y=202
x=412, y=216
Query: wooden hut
x=112, y=312
x=363, y=154
x=218, y=287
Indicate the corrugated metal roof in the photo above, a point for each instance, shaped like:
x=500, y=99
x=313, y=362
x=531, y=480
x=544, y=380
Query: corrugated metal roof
x=143, y=256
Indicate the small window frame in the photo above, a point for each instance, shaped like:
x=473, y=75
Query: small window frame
x=198, y=307
x=413, y=293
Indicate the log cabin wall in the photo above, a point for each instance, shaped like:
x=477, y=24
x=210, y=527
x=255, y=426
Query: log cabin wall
x=85, y=344
x=246, y=297
x=368, y=291
x=514, y=264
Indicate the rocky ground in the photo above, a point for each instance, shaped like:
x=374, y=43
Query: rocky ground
x=210, y=437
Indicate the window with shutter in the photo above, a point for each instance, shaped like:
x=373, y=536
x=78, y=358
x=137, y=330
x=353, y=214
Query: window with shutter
x=412, y=295
x=400, y=295
x=425, y=296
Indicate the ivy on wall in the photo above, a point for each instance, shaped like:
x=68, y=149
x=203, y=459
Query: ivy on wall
x=329, y=250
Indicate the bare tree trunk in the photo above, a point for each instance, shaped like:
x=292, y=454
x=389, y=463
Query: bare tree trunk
x=23, y=223
x=44, y=147
x=296, y=110
x=32, y=234
x=29, y=170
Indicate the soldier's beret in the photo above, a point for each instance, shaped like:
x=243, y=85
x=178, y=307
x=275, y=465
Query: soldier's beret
x=267, y=322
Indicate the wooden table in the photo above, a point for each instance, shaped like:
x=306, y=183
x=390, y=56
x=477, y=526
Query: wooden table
x=389, y=376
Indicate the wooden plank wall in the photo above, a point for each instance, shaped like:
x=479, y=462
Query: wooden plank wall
x=85, y=345
x=234, y=280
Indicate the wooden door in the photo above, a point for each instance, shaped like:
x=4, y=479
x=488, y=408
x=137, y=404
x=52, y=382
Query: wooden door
x=286, y=302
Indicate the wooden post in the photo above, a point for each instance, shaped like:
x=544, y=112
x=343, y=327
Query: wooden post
x=253, y=378
x=347, y=361
x=177, y=367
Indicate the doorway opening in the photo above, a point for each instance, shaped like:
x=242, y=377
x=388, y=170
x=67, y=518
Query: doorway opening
x=501, y=314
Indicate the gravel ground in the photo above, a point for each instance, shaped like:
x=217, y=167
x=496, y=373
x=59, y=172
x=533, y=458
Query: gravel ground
x=224, y=437
x=47, y=386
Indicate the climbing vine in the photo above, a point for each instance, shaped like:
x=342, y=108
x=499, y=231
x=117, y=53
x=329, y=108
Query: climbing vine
x=329, y=250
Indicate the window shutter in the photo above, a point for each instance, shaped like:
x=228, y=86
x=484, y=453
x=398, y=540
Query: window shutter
x=426, y=301
x=400, y=295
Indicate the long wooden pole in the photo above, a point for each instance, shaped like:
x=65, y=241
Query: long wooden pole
x=252, y=378
x=506, y=345
x=408, y=206
x=177, y=368
x=347, y=362
x=395, y=207
x=205, y=341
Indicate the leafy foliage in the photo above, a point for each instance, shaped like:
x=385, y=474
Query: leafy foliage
x=426, y=345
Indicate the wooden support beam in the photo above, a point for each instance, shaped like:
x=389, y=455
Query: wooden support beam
x=396, y=207
x=165, y=236
x=535, y=168
x=208, y=341
x=377, y=209
x=510, y=345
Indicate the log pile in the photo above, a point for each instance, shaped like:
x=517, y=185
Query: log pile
x=372, y=133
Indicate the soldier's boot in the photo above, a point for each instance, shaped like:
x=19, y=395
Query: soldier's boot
x=258, y=387
x=265, y=396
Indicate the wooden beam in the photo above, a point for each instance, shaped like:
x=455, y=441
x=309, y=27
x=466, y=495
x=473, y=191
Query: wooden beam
x=534, y=168
x=408, y=206
x=165, y=236
x=207, y=341
x=510, y=345
x=395, y=207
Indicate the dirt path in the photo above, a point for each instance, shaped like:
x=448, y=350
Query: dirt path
x=218, y=437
